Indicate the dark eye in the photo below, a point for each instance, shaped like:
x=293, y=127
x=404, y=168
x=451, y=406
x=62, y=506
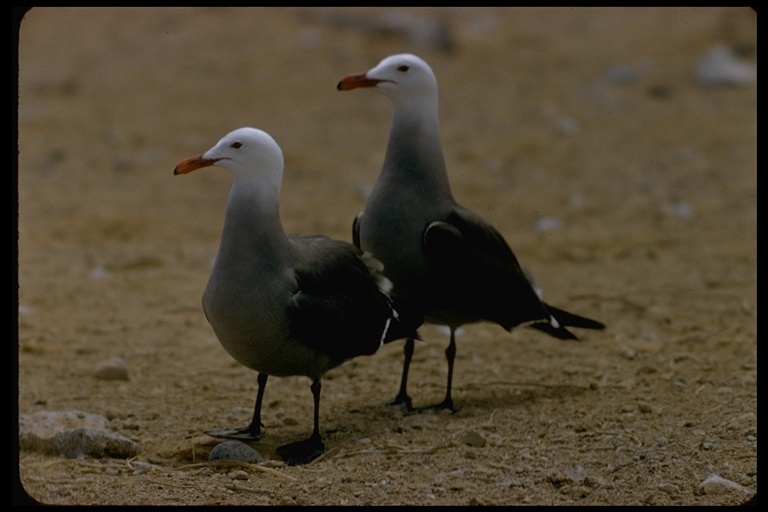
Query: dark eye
x=403, y=68
x=236, y=145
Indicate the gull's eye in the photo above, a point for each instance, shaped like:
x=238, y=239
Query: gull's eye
x=403, y=68
x=236, y=145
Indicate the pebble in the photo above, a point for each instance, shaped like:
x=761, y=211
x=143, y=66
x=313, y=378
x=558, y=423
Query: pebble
x=567, y=126
x=627, y=353
x=720, y=66
x=577, y=475
x=576, y=200
x=98, y=272
x=549, y=224
x=658, y=312
x=669, y=488
x=745, y=422
x=679, y=210
x=714, y=484
x=235, y=450
x=114, y=368
x=473, y=438
x=140, y=467
x=621, y=75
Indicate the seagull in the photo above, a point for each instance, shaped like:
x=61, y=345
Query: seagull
x=288, y=304
x=442, y=258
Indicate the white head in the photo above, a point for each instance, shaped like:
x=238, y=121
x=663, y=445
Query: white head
x=248, y=153
x=401, y=77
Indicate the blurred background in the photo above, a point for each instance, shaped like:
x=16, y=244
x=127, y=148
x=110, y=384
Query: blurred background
x=588, y=132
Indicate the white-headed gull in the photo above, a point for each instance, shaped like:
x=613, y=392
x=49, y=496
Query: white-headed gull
x=440, y=256
x=288, y=304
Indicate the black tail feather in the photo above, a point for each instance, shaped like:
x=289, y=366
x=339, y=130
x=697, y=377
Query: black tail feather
x=570, y=320
x=566, y=319
x=558, y=332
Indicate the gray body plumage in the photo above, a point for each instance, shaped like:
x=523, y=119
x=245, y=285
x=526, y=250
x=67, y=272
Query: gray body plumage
x=441, y=257
x=288, y=305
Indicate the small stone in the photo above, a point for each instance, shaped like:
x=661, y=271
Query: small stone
x=645, y=408
x=549, y=224
x=140, y=467
x=235, y=450
x=473, y=438
x=669, y=488
x=681, y=210
x=576, y=200
x=114, y=368
x=627, y=353
x=720, y=66
x=714, y=484
x=577, y=475
x=621, y=75
x=744, y=422
x=567, y=126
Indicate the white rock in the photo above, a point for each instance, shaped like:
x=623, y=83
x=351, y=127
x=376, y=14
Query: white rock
x=114, y=368
x=714, y=484
x=73, y=434
x=549, y=224
x=719, y=66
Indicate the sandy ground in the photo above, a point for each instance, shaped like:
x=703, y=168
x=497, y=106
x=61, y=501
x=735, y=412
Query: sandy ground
x=581, y=134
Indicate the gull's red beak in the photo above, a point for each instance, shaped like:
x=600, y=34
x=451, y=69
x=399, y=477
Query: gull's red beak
x=350, y=82
x=192, y=164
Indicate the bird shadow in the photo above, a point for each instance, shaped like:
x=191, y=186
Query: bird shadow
x=348, y=428
x=510, y=394
x=472, y=400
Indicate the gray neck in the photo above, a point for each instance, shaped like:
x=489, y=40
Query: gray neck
x=252, y=235
x=414, y=152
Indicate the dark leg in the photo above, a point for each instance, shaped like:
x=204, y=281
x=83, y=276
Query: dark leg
x=302, y=452
x=402, y=399
x=315, y=388
x=450, y=355
x=253, y=431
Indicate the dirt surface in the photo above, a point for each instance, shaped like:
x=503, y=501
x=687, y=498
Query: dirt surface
x=581, y=134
